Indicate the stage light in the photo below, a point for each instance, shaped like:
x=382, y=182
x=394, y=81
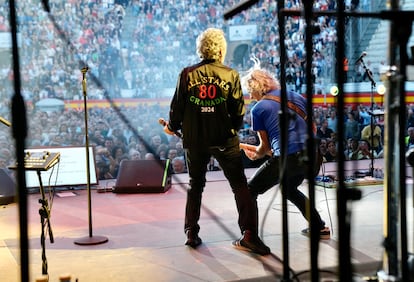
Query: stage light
x=334, y=90
x=381, y=89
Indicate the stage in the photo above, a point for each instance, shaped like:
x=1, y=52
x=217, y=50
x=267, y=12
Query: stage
x=146, y=239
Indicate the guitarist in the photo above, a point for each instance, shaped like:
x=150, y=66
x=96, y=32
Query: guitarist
x=265, y=89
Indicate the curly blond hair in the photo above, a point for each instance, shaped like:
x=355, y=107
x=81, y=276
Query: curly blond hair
x=259, y=80
x=212, y=44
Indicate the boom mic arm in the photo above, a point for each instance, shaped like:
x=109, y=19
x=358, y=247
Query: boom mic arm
x=361, y=57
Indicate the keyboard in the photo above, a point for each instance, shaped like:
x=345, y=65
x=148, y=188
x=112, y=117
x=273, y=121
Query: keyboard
x=39, y=160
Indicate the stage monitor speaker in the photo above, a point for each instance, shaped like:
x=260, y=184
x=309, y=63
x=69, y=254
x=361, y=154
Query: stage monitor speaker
x=143, y=176
x=7, y=188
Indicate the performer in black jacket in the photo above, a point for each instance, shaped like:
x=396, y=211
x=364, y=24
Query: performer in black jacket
x=208, y=108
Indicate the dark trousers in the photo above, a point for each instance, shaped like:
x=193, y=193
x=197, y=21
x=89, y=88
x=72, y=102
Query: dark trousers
x=230, y=161
x=268, y=175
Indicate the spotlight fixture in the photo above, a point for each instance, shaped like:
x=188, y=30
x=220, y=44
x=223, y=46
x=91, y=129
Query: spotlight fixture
x=381, y=89
x=334, y=90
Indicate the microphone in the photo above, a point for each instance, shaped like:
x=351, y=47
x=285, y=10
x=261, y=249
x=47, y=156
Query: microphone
x=361, y=57
x=163, y=122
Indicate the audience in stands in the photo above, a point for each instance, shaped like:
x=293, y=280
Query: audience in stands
x=372, y=133
x=178, y=165
x=323, y=131
x=117, y=39
x=331, y=154
x=137, y=141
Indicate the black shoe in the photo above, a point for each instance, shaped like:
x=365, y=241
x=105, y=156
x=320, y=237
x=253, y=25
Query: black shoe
x=324, y=234
x=192, y=239
x=251, y=242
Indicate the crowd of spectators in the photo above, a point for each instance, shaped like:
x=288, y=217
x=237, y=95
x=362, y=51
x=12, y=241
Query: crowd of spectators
x=139, y=46
x=364, y=133
x=139, y=136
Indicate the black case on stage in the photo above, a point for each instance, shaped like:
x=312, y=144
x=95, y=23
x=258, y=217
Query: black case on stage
x=143, y=176
x=7, y=188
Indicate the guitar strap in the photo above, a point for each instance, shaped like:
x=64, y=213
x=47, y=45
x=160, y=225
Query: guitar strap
x=290, y=105
x=319, y=159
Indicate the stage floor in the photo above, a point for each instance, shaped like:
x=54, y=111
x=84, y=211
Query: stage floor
x=146, y=239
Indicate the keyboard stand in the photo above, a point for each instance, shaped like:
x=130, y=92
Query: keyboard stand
x=42, y=161
x=44, y=212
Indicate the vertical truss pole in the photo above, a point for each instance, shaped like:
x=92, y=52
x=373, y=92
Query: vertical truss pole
x=343, y=194
x=310, y=30
x=283, y=131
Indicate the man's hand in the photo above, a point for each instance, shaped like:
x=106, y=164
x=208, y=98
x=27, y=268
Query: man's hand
x=253, y=152
x=167, y=130
x=249, y=150
x=164, y=123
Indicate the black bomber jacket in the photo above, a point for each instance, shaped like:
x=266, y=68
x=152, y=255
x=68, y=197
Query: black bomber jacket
x=208, y=105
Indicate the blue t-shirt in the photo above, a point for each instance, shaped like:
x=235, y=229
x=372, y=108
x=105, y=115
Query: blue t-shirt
x=265, y=116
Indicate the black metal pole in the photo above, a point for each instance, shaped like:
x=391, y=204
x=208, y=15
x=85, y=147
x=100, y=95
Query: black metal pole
x=283, y=133
x=88, y=173
x=343, y=194
x=402, y=29
x=372, y=123
x=19, y=127
x=310, y=30
x=394, y=184
x=402, y=174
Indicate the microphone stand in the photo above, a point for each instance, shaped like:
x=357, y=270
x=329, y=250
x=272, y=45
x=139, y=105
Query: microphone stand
x=373, y=85
x=90, y=240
